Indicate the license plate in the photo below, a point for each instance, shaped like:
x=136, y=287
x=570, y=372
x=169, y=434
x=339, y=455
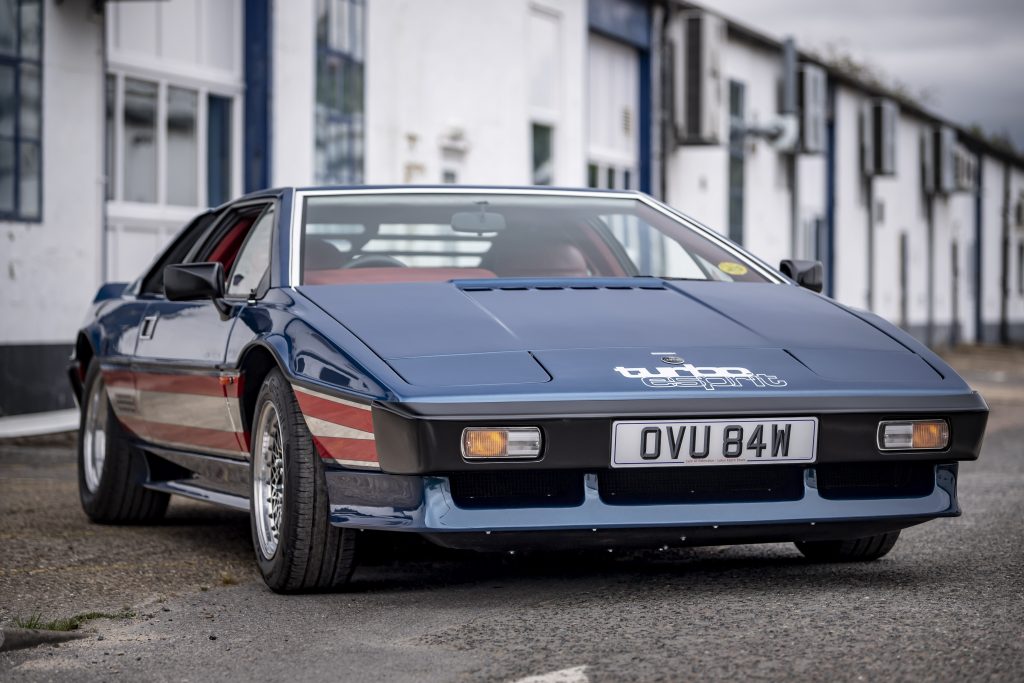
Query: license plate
x=691, y=443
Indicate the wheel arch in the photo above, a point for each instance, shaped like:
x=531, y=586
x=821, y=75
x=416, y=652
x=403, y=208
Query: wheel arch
x=78, y=365
x=257, y=361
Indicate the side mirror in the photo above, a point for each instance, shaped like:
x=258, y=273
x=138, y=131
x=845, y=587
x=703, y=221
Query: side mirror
x=808, y=274
x=191, y=281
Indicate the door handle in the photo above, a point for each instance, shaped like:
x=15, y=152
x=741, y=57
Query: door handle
x=148, y=327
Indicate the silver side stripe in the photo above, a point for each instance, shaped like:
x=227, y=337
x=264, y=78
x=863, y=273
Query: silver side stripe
x=188, y=410
x=333, y=399
x=320, y=427
x=196, y=448
x=124, y=399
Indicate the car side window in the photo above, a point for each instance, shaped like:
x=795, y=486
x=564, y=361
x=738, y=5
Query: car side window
x=153, y=283
x=253, y=259
x=227, y=237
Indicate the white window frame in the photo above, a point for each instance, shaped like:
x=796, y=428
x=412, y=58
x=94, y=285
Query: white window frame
x=203, y=88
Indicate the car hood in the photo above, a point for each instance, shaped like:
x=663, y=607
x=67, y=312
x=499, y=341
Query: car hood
x=622, y=335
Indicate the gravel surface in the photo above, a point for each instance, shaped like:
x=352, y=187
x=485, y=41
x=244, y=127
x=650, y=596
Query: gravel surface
x=946, y=604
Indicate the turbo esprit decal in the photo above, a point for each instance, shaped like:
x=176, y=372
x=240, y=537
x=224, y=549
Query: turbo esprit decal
x=689, y=376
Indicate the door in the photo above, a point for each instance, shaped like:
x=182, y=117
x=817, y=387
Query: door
x=187, y=399
x=613, y=137
x=904, y=282
x=122, y=324
x=954, y=328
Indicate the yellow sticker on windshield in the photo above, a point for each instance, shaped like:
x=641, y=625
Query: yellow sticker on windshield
x=732, y=268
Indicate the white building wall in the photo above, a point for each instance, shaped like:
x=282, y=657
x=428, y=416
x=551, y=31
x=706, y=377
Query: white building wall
x=995, y=208
x=767, y=217
x=993, y=174
x=293, y=93
x=954, y=221
x=698, y=175
x=188, y=44
x=457, y=97
x=1015, y=308
x=811, y=194
x=697, y=183
x=851, y=217
x=50, y=270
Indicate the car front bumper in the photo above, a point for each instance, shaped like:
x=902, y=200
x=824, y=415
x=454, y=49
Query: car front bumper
x=425, y=504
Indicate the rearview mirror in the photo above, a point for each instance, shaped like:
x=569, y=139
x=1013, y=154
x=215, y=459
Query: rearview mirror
x=807, y=274
x=191, y=281
x=478, y=222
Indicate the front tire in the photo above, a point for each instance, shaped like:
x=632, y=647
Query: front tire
x=849, y=550
x=297, y=548
x=111, y=471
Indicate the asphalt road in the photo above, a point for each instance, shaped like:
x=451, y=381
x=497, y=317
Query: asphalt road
x=946, y=604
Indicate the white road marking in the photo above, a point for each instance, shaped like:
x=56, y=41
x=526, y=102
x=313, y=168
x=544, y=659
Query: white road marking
x=577, y=674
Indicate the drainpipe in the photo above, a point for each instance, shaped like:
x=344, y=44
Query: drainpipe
x=929, y=214
x=979, y=281
x=107, y=180
x=789, y=110
x=830, y=190
x=659, y=99
x=870, y=192
x=1004, y=321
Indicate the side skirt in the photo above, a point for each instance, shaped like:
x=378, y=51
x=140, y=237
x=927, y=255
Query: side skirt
x=209, y=478
x=190, y=491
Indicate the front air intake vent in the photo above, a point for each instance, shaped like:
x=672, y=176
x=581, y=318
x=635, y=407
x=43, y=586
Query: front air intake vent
x=516, y=488
x=860, y=480
x=727, y=484
x=511, y=285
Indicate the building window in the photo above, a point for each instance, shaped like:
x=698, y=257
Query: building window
x=109, y=130
x=182, y=146
x=160, y=136
x=339, y=91
x=1020, y=268
x=543, y=151
x=21, y=41
x=139, y=120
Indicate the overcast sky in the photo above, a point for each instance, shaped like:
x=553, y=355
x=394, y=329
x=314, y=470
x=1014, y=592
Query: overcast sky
x=967, y=54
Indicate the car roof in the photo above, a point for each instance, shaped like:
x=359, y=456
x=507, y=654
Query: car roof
x=412, y=189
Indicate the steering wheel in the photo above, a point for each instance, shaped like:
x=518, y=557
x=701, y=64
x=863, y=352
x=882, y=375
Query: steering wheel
x=375, y=261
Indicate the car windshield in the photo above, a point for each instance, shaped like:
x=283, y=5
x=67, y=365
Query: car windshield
x=354, y=238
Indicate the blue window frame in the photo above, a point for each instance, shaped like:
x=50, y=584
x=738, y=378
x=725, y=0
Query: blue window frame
x=218, y=150
x=21, y=110
x=340, y=40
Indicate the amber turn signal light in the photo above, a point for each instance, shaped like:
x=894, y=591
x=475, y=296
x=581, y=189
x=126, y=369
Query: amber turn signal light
x=480, y=443
x=913, y=435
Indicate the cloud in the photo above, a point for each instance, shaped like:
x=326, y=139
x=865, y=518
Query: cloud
x=967, y=55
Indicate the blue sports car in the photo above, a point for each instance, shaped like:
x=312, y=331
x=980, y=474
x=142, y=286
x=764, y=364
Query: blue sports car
x=505, y=368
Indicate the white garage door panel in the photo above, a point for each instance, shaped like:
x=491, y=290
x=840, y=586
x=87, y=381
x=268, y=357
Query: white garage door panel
x=613, y=97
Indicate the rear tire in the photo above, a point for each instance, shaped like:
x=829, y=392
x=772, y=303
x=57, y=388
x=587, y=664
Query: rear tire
x=111, y=471
x=297, y=548
x=849, y=550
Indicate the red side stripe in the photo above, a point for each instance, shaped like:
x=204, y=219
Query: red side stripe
x=338, y=413
x=118, y=378
x=362, y=450
x=233, y=389
x=203, y=385
x=189, y=436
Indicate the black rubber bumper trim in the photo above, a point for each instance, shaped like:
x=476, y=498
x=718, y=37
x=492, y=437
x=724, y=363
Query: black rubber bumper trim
x=697, y=406
x=411, y=445
x=578, y=539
